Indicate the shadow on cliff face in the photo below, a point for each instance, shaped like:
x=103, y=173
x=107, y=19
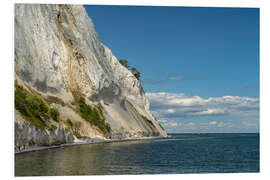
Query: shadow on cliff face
x=108, y=94
x=43, y=87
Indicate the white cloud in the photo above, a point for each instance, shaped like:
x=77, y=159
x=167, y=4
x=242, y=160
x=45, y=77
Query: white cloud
x=222, y=124
x=172, y=105
x=173, y=124
x=163, y=120
x=178, y=112
x=210, y=112
x=171, y=110
x=213, y=122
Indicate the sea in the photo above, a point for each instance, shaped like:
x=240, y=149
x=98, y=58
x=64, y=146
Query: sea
x=184, y=153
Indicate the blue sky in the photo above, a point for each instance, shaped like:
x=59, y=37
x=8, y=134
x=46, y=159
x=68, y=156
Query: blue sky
x=202, y=62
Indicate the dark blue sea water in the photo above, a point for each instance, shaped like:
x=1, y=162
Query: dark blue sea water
x=186, y=153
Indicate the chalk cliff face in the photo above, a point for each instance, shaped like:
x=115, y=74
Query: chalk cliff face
x=58, y=54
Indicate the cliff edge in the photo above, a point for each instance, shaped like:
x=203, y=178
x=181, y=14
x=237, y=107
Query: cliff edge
x=74, y=83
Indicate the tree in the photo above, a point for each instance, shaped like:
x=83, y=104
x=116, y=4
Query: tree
x=124, y=63
x=136, y=73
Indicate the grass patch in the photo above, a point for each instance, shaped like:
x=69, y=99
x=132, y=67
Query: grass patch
x=69, y=122
x=93, y=115
x=33, y=108
x=54, y=114
x=76, y=133
x=53, y=127
x=56, y=100
x=75, y=128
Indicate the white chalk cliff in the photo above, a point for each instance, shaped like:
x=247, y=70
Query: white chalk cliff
x=58, y=53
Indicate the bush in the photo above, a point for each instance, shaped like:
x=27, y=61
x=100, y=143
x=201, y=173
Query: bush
x=93, y=116
x=77, y=133
x=124, y=63
x=54, y=114
x=31, y=107
x=69, y=122
x=53, y=99
x=134, y=71
x=53, y=127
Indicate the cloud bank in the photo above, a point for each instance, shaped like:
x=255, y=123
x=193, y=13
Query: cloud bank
x=213, y=112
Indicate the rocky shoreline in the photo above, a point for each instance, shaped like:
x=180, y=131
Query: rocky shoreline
x=88, y=141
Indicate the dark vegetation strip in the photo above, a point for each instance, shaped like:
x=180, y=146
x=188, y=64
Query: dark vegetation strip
x=93, y=115
x=161, y=126
x=33, y=108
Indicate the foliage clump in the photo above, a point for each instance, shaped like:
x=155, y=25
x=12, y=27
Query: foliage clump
x=134, y=71
x=56, y=100
x=77, y=133
x=53, y=127
x=75, y=129
x=93, y=116
x=33, y=108
x=124, y=63
x=54, y=114
x=69, y=122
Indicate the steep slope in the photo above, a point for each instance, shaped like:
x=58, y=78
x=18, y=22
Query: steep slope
x=59, y=56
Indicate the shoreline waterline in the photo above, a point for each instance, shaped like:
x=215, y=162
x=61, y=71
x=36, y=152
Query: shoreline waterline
x=89, y=141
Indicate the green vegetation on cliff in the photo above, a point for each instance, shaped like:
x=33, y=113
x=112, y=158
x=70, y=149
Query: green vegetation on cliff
x=134, y=71
x=75, y=128
x=33, y=108
x=93, y=115
x=54, y=114
x=161, y=126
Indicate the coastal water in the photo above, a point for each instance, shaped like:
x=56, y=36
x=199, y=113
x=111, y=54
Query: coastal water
x=186, y=153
